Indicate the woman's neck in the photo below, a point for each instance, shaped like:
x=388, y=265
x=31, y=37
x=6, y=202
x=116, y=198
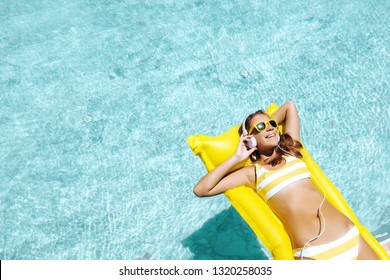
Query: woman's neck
x=267, y=156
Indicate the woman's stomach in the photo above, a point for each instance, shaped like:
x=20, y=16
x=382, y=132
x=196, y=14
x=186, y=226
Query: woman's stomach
x=307, y=215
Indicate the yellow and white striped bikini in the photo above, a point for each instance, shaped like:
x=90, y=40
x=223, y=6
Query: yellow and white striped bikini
x=270, y=182
x=344, y=248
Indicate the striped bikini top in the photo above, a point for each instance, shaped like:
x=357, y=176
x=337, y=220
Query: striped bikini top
x=270, y=182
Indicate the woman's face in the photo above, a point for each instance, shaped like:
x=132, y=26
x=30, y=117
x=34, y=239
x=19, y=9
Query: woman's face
x=267, y=137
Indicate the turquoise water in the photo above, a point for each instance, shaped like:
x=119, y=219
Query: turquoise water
x=98, y=97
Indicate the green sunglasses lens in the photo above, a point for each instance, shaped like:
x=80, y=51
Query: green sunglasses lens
x=260, y=126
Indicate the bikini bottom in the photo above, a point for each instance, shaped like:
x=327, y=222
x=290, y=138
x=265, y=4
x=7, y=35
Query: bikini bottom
x=344, y=248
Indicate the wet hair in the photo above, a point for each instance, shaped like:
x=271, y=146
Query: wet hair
x=287, y=144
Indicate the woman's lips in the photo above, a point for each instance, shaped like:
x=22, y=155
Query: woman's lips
x=271, y=135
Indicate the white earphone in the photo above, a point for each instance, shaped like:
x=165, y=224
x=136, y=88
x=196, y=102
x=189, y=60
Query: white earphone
x=252, y=141
x=244, y=131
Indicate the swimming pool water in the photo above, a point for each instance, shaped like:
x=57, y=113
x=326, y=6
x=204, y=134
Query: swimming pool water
x=98, y=97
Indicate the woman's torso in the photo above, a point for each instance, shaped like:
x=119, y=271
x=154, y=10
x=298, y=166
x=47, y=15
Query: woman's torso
x=297, y=204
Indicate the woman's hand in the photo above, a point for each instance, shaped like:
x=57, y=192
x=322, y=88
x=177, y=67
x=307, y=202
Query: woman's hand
x=221, y=179
x=242, y=152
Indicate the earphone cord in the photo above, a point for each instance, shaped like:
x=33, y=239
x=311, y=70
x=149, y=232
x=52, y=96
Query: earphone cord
x=319, y=213
x=284, y=150
x=320, y=216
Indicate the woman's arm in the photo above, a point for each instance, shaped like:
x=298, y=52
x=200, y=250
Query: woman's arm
x=288, y=115
x=219, y=180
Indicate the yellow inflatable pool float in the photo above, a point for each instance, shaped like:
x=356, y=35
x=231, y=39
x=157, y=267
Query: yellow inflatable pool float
x=213, y=150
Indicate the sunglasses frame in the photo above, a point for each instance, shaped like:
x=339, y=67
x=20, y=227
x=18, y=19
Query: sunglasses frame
x=264, y=125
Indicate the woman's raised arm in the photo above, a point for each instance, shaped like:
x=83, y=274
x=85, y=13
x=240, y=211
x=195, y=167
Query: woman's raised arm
x=288, y=114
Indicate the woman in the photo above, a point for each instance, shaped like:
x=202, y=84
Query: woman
x=317, y=230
